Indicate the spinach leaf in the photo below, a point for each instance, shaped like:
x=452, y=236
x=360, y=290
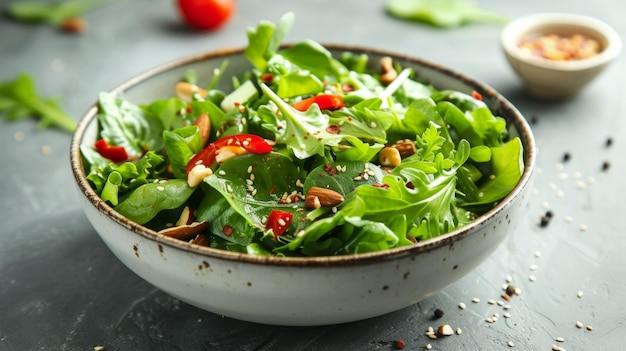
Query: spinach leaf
x=443, y=13
x=145, y=202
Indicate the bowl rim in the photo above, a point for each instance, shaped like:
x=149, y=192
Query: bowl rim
x=524, y=130
x=515, y=29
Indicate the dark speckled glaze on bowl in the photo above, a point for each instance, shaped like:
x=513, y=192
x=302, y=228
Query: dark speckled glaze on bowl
x=301, y=291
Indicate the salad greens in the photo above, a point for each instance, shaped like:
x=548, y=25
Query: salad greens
x=19, y=99
x=443, y=13
x=309, y=155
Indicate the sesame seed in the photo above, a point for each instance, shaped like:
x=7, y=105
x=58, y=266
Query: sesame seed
x=537, y=253
x=532, y=278
x=583, y=228
x=580, y=184
x=506, y=307
x=489, y=320
x=432, y=336
x=252, y=176
x=249, y=182
x=46, y=150
x=160, y=188
x=221, y=172
x=506, y=315
x=533, y=267
x=560, y=339
x=510, y=344
x=500, y=303
x=579, y=325
x=563, y=176
x=579, y=294
x=430, y=330
x=569, y=219
x=302, y=147
x=282, y=222
x=249, y=169
x=590, y=328
x=475, y=300
x=509, y=278
x=462, y=305
x=373, y=124
x=491, y=302
x=458, y=331
x=555, y=348
x=429, y=346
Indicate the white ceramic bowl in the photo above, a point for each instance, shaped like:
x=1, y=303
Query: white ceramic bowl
x=549, y=79
x=300, y=291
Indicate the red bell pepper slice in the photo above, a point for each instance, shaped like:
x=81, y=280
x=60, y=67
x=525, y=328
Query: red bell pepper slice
x=278, y=221
x=249, y=142
x=114, y=153
x=324, y=101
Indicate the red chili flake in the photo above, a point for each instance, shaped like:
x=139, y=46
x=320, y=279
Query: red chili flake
x=476, y=95
x=333, y=129
x=399, y=344
x=382, y=186
x=236, y=103
x=227, y=230
x=330, y=169
x=189, y=110
x=272, y=190
x=267, y=78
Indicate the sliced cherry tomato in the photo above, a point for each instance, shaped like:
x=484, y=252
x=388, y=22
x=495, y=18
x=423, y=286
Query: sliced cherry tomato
x=324, y=101
x=114, y=153
x=278, y=221
x=206, y=14
x=247, y=142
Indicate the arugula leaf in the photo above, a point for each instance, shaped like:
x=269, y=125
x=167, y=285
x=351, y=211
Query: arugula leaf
x=19, y=99
x=303, y=132
x=264, y=40
x=54, y=13
x=443, y=13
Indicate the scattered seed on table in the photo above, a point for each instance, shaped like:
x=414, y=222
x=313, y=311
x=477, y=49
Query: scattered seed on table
x=532, y=278
x=46, y=150
x=563, y=176
x=566, y=157
x=491, y=302
x=506, y=315
x=590, y=328
x=579, y=325
x=429, y=346
x=510, y=344
x=509, y=278
x=501, y=303
x=533, y=267
x=583, y=227
x=537, y=253
x=581, y=185
x=569, y=219
x=458, y=331
x=489, y=320
x=579, y=293
x=475, y=300
x=560, y=339
x=18, y=136
x=462, y=305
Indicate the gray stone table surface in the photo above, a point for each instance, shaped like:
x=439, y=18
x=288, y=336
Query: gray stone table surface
x=62, y=289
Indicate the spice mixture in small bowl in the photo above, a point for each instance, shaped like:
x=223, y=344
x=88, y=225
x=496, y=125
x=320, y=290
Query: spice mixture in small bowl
x=556, y=55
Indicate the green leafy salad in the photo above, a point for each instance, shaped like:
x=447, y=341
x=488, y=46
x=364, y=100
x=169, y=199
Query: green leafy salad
x=307, y=155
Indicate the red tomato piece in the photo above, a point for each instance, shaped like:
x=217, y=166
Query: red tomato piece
x=206, y=14
x=278, y=221
x=250, y=142
x=324, y=101
x=114, y=153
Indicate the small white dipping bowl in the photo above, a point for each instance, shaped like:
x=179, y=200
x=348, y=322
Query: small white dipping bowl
x=551, y=79
x=301, y=291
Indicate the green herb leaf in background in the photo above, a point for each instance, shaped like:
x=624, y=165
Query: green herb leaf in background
x=52, y=12
x=443, y=13
x=19, y=99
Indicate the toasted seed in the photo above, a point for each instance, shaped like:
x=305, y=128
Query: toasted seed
x=462, y=305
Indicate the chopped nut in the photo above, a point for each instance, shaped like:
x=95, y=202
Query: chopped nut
x=312, y=202
x=73, y=25
x=445, y=330
x=186, y=217
x=387, y=72
x=186, y=91
x=197, y=175
x=204, y=125
x=326, y=197
x=389, y=157
x=405, y=147
x=187, y=231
